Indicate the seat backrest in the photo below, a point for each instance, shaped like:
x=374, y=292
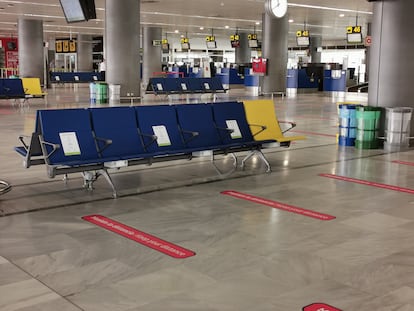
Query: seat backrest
x=118, y=124
x=13, y=87
x=32, y=86
x=164, y=85
x=262, y=113
x=216, y=84
x=161, y=121
x=71, y=130
x=198, y=118
x=207, y=85
x=231, y=115
x=195, y=85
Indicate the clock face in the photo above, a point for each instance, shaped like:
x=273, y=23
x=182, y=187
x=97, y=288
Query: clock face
x=277, y=7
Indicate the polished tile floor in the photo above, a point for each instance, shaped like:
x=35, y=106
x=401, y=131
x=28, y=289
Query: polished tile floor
x=248, y=256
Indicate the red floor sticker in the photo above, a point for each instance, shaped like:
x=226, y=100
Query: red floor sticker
x=139, y=236
x=369, y=183
x=278, y=205
x=404, y=163
x=320, y=307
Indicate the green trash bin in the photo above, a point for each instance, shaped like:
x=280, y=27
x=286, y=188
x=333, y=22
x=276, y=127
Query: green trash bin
x=368, y=120
x=101, y=93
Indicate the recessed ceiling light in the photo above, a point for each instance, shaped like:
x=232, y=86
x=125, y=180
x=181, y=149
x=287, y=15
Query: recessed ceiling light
x=257, y=23
x=342, y=15
x=176, y=31
x=227, y=26
x=201, y=28
x=291, y=21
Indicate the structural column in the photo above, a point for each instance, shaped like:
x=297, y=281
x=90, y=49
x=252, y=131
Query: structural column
x=31, y=56
x=151, y=54
x=243, y=53
x=391, y=65
x=275, y=49
x=85, y=52
x=315, y=44
x=122, y=42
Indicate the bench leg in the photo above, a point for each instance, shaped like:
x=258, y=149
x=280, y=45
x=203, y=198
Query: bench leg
x=108, y=178
x=260, y=154
x=226, y=173
x=90, y=177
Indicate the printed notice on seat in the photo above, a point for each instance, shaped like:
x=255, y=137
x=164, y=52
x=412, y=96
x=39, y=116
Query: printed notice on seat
x=206, y=86
x=232, y=124
x=162, y=135
x=184, y=86
x=159, y=87
x=70, y=143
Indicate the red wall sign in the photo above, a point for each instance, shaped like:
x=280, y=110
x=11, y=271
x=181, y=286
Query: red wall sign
x=320, y=307
x=259, y=66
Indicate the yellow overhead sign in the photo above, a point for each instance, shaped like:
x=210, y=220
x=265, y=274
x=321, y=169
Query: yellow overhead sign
x=353, y=29
x=210, y=38
x=302, y=33
x=252, y=36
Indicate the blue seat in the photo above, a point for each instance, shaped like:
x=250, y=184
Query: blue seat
x=74, y=127
x=31, y=150
x=217, y=85
x=116, y=131
x=194, y=85
x=12, y=88
x=163, y=85
x=198, y=128
x=231, y=116
x=160, y=119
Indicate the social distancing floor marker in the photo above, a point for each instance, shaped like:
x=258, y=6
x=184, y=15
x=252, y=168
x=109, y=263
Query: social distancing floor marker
x=369, y=183
x=143, y=238
x=404, y=163
x=278, y=205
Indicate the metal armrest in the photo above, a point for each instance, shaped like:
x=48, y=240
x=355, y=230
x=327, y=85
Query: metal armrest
x=54, y=148
x=22, y=138
x=292, y=125
x=193, y=135
x=151, y=136
x=262, y=128
x=107, y=143
x=225, y=129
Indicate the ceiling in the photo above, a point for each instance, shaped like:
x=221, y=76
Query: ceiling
x=198, y=17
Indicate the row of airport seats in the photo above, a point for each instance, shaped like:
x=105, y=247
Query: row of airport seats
x=93, y=140
x=166, y=86
x=23, y=88
x=75, y=77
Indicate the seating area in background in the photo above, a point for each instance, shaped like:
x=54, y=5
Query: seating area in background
x=12, y=89
x=93, y=140
x=167, y=86
x=24, y=88
x=75, y=77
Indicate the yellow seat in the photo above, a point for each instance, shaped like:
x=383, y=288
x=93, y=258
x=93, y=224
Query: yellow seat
x=261, y=116
x=32, y=87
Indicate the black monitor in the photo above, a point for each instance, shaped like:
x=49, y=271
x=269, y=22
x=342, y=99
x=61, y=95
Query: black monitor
x=78, y=10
